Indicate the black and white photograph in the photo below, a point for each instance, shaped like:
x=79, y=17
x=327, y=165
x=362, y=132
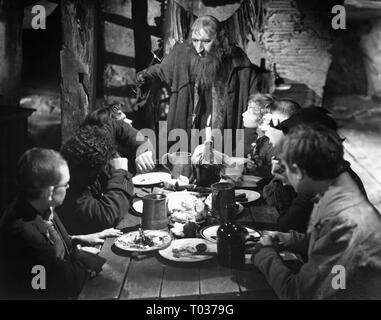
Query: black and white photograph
x=190, y=154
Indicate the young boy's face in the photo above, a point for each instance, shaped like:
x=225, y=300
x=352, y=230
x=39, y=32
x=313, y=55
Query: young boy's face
x=249, y=117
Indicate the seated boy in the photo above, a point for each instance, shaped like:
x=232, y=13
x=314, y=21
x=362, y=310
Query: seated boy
x=343, y=238
x=257, y=146
x=38, y=258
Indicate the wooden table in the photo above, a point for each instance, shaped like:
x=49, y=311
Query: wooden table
x=154, y=277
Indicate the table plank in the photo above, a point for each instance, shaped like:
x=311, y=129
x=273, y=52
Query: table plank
x=180, y=281
x=264, y=213
x=143, y=279
x=108, y=283
x=245, y=218
x=253, y=284
x=217, y=280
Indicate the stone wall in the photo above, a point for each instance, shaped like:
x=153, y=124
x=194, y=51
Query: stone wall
x=347, y=74
x=297, y=37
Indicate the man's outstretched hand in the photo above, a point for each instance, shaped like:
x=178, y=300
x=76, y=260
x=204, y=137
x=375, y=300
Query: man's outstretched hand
x=145, y=162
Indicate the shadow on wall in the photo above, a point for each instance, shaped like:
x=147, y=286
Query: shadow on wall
x=347, y=64
x=44, y=126
x=298, y=92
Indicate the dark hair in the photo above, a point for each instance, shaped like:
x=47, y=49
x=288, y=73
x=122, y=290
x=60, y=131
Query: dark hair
x=38, y=169
x=98, y=117
x=89, y=149
x=316, y=149
x=101, y=116
x=312, y=115
x=287, y=107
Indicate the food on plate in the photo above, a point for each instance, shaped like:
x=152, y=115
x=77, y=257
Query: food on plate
x=241, y=197
x=190, y=229
x=178, y=229
x=187, y=230
x=142, y=240
x=185, y=206
x=201, y=247
x=188, y=250
x=180, y=181
x=150, y=178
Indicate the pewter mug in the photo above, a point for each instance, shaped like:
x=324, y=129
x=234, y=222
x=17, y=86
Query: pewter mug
x=223, y=198
x=154, y=216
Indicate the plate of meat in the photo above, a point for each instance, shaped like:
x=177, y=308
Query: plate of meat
x=143, y=240
x=189, y=250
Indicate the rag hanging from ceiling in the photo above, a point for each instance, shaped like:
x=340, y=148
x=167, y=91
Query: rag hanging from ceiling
x=240, y=19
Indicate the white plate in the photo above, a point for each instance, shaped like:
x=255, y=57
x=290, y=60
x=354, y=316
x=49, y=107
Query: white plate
x=150, y=178
x=182, y=181
x=126, y=241
x=250, y=195
x=283, y=86
x=168, y=254
x=138, y=206
x=243, y=181
x=210, y=233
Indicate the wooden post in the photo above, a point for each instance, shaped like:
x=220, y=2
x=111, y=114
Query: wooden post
x=11, y=16
x=139, y=12
x=78, y=63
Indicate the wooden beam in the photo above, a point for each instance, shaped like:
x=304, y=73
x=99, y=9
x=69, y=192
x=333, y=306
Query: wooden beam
x=11, y=17
x=366, y=4
x=78, y=62
x=139, y=11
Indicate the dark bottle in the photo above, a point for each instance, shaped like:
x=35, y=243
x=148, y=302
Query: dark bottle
x=208, y=172
x=278, y=79
x=230, y=241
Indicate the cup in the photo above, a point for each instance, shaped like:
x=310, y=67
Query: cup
x=235, y=166
x=154, y=216
x=223, y=198
x=119, y=163
x=207, y=174
x=179, y=164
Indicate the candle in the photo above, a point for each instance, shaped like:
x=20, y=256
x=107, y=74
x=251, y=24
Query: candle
x=208, y=129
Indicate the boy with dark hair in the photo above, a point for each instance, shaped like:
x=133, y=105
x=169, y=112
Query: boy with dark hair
x=101, y=186
x=344, y=232
x=127, y=140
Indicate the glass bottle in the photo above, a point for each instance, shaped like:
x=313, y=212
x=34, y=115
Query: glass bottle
x=230, y=241
x=208, y=172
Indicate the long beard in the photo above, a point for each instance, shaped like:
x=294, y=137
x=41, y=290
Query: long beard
x=208, y=69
